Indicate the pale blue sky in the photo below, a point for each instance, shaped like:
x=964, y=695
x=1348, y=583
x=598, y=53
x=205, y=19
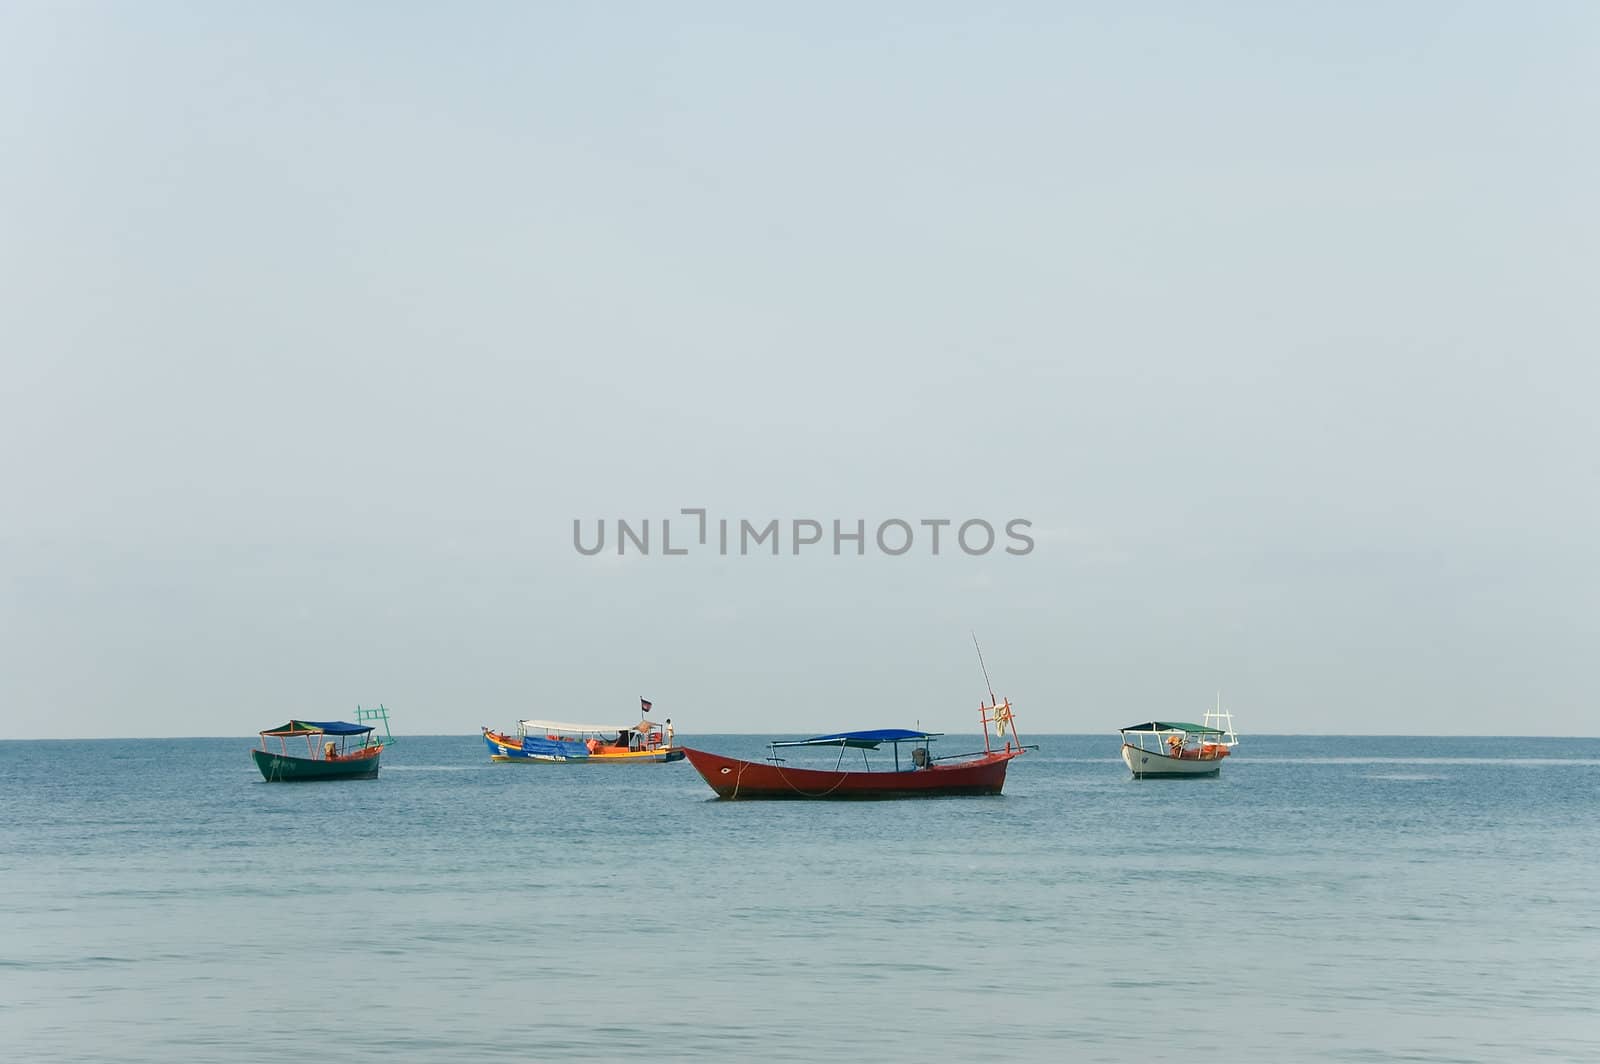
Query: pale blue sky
x=323, y=322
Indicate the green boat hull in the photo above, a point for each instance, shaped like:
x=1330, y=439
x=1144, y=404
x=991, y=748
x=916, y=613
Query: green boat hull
x=280, y=768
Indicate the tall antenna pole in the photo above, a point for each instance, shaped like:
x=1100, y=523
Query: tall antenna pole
x=984, y=667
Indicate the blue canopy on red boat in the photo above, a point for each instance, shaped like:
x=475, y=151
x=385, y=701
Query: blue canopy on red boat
x=864, y=740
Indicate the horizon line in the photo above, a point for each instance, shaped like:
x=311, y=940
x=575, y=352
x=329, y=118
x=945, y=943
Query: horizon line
x=1114, y=731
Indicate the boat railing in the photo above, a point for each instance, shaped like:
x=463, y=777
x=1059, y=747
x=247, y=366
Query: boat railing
x=983, y=753
x=921, y=743
x=1181, y=744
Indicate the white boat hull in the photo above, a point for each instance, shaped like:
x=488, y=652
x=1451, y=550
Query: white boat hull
x=1147, y=764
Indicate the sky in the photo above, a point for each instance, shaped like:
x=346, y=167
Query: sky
x=323, y=324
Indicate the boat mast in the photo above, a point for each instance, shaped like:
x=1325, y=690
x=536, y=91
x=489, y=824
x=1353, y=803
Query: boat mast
x=984, y=667
x=984, y=711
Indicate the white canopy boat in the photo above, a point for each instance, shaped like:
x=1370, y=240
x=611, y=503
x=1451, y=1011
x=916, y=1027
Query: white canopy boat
x=558, y=741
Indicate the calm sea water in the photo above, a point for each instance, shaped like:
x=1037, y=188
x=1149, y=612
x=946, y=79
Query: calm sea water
x=1346, y=899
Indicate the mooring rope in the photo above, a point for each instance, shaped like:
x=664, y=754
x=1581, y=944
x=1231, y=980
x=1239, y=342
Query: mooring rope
x=803, y=794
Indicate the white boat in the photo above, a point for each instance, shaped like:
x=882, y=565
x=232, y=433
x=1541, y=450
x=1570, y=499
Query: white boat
x=1160, y=749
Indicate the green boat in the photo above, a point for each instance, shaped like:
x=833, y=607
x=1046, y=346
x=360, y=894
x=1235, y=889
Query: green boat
x=337, y=758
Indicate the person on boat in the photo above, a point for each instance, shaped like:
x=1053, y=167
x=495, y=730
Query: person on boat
x=329, y=751
x=669, y=732
x=1176, y=742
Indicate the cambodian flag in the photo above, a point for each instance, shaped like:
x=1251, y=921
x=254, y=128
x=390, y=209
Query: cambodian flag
x=644, y=707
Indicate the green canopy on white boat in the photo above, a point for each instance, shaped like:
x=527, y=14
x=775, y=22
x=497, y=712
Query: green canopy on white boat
x=1173, y=726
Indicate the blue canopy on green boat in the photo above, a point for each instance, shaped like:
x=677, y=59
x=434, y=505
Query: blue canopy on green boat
x=315, y=727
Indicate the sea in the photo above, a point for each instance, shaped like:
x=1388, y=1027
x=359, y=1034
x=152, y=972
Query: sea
x=1325, y=898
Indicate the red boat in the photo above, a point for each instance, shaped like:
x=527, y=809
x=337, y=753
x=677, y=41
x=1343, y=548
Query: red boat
x=920, y=776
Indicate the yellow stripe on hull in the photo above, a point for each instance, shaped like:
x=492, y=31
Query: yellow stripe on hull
x=634, y=755
x=631, y=757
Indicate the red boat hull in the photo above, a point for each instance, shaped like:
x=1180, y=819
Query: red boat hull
x=732, y=778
